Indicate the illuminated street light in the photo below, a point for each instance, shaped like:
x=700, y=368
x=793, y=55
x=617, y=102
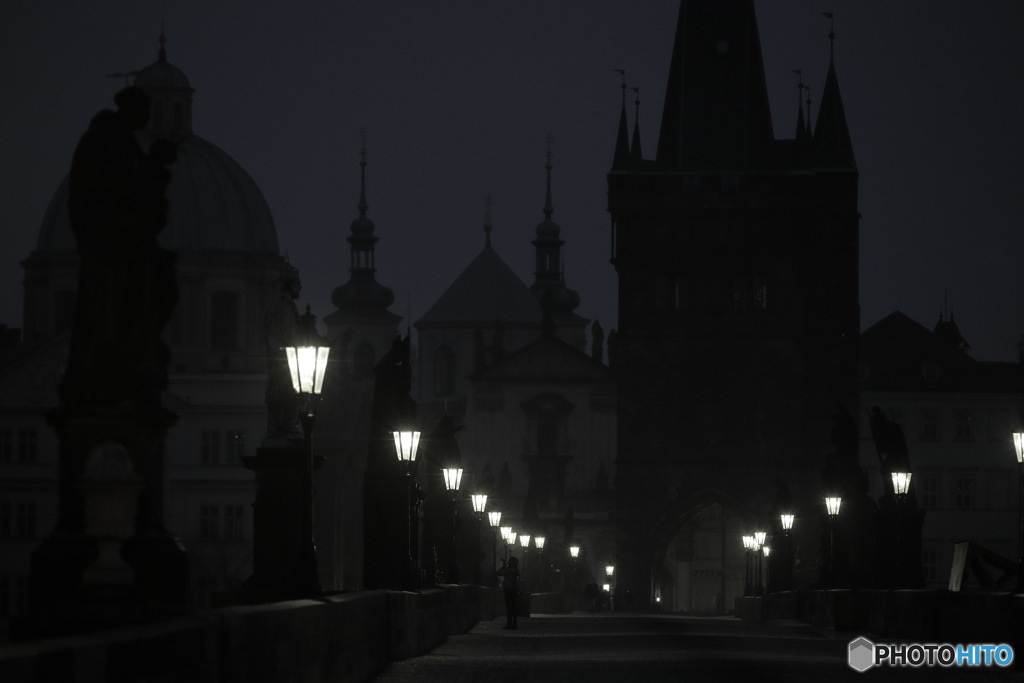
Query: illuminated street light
x=307, y=366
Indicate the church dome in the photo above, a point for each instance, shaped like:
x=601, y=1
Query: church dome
x=214, y=205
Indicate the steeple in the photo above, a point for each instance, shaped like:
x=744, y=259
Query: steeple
x=549, y=281
x=621, y=158
x=362, y=294
x=832, y=145
x=716, y=114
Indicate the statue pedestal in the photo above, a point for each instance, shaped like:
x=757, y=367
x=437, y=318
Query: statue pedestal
x=284, y=554
x=109, y=562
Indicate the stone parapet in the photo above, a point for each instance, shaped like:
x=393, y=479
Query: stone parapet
x=344, y=637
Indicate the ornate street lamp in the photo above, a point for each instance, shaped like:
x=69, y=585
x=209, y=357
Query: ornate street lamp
x=524, y=541
x=1018, y=447
x=786, y=580
x=494, y=519
x=759, y=538
x=900, y=487
x=832, y=504
x=748, y=546
x=767, y=567
x=406, y=445
x=307, y=365
x=574, y=552
x=452, y=482
x=479, y=501
x=538, y=543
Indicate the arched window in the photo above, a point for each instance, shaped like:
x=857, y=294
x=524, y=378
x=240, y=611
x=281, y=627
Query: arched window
x=224, y=324
x=444, y=372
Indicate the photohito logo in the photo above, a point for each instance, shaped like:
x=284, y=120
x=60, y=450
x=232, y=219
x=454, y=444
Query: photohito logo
x=863, y=654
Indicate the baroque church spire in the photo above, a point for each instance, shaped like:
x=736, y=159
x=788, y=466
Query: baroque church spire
x=549, y=280
x=362, y=294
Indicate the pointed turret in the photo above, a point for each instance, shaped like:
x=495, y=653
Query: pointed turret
x=621, y=158
x=832, y=145
x=636, y=151
x=716, y=114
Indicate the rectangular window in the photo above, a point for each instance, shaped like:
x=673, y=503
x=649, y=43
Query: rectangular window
x=233, y=520
x=210, y=450
x=929, y=488
x=25, y=520
x=234, y=447
x=27, y=446
x=209, y=522
x=6, y=445
x=964, y=425
x=929, y=425
x=963, y=487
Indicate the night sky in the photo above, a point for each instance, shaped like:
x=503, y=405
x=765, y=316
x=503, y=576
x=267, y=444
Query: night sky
x=458, y=98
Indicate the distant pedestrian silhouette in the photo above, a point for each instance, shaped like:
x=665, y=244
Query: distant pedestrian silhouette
x=512, y=586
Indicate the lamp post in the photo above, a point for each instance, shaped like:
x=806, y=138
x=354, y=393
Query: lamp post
x=494, y=519
x=574, y=552
x=759, y=539
x=832, y=504
x=900, y=487
x=609, y=571
x=524, y=541
x=406, y=444
x=767, y=569
x=748, y=544
x=786, y=519
x=1018, y=446
x=307, y=365
x=479, y=505
x=452, y=482
x=505, y=531
x=538, y=543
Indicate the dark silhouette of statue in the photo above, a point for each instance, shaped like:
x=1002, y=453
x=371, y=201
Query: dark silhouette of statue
x=393, y=405
x=127, y=289
x=281, y=329
x=890, y=444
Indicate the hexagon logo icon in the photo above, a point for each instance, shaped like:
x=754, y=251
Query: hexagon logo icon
x=861, y=654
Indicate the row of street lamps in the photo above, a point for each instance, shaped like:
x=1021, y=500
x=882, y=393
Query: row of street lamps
x=307, y=366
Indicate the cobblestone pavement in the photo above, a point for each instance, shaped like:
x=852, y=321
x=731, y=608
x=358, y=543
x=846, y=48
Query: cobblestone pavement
x=613, y=647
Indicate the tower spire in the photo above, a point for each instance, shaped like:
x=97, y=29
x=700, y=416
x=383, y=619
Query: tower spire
x=716, y=115
x=832, y=145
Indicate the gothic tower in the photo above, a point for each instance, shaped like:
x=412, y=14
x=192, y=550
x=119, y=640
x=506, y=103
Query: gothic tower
x=736, y=256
